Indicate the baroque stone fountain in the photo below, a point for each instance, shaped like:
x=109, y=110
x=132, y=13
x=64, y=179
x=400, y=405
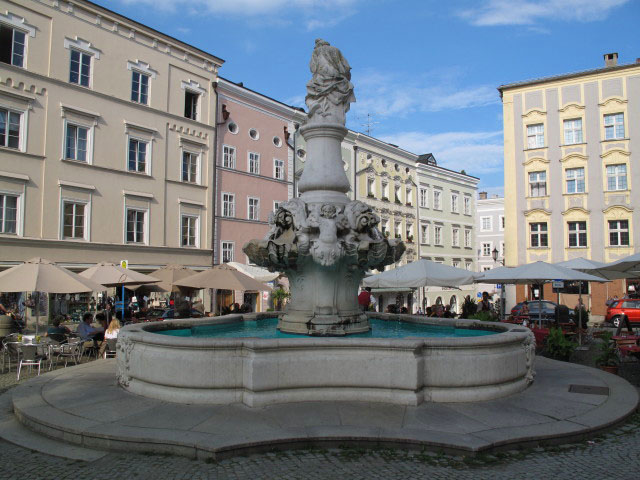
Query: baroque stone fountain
x=323, y=241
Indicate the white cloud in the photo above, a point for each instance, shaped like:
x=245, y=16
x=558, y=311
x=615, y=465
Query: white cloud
x=315, y=14
x=477, y=153
x=528, y=12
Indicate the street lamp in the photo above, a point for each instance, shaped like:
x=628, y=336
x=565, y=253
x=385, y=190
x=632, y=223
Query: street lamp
x=494, y=255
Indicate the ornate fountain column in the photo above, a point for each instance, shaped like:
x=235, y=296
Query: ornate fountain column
x=323, y=241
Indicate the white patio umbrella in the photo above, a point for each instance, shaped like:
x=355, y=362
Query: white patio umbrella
x=41, y=275
x=222, y=277
x=421, y=273
x=629, y=265
x=537, y=273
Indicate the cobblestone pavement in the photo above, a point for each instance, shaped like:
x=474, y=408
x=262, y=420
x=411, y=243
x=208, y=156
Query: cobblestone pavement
x=614, y=455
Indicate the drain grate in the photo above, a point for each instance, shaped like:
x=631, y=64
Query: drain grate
x=590, y=389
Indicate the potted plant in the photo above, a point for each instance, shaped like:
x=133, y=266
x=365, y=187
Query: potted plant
x=558, y=347
x=608, y=358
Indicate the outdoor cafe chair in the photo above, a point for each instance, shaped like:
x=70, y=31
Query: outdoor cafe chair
x=30, y=357
x=68, y=351
x=110, y=351
x=10, y=352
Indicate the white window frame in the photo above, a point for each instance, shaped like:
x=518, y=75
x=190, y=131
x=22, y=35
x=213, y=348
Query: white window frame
x=467, y=205
x=467, y=238
x=82, y=54
x=86, y=220
x=535, y=135
x=618, y=231
x=193, y=87
x=22, y=134
x=145, y=235
x=385, y=190
x=437, y=235
x=612, y=126
x=256, y=216
x=276, y=204
x=198, y=155
x=617, y=177
x=17, y=22
x=468, y=265
x=196, y=228
x=229, y=153
x=147, y=165
x=485, y=249
x=276, y=167
x=223, y=244
x=424, y=233
x=424, y=197
x=576, y=232
x=501, y=223
x=90, y=132
x=371, y=186
x=573, y=131
x=397, y=193
x=535, y=183
x=397, y=229
x=502, y=249
x=538, y=233
x=231, y=212
x=408, y=194
x=454, y=203
x=455, y=236
x=572, y=180
x=19, y=206
x=437, y=200
x=490, y=223
x=141, y=68
x=257, y=158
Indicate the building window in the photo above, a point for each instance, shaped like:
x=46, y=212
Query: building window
x=139, y=87
x=77, y=140
x=254, y=208
x=397, y=194
x=468, y=265
x=371, y=187
x=502, y=249
x=254, y=134
x=573, y=131
x=137, y=155
x=619, y=233
x=227, y=252
x=228, y=156
x=12, y=45
x=190, y=167
x=73, y=220
x=80, y=70
x=410, y=232
x=385, y=191
x=278, y=169
x=467, y=238
x=535, y=136
x=191, y=100
x=486, y=249
x=136, y=225
x=455, y=237
x=436, y=200
x=575, y=180
x=577, y=234
x=616, y=177
x=538, y=184
x=438, y=235
x=486, y=224
x=614, y=126
x=455, y=263
x=539, y=234
x=424, y=197
x=398, y=229
x=424, y=233
x=189, y=232
x=501, y=222
x=8, y=213
x=276, y=205
x=467, y=205
x=10, y=122
x=254, y=163
x=228, y=205
x=408, y=196
x=454, y=203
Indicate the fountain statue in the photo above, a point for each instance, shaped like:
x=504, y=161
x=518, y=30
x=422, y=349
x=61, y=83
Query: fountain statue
x=323, y=241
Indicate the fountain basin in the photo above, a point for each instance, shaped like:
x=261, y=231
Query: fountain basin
x=258, y=372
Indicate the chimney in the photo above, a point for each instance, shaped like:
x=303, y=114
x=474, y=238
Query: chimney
x=482, y=195
x=610, y=59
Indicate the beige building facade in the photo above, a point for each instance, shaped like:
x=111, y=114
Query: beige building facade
x=107, y=141
x=572, y=188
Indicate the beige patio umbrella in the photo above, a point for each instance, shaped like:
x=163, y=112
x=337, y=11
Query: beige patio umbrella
x=168, y=275
x=222, y=277
x=41, y=275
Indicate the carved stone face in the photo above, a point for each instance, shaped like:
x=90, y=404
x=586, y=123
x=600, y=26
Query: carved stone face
x=283, y=218
x=328, y=211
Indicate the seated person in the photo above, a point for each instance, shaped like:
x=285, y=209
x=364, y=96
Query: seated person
x=88, y=333
x=109, y=333
x=56, y=328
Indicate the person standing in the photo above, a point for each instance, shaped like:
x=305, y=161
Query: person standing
x=364, y=299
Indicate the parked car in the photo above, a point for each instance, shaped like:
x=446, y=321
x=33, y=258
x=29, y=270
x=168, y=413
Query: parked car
x=548, y=311
x=628, y=307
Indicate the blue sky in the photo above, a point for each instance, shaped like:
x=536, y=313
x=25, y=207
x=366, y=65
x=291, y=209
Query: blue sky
x=425, y=70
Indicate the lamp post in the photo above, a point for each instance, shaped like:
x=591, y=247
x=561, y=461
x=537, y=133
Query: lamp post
x=494, y=255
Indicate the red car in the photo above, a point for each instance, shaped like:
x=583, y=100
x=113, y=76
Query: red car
x=628, y=307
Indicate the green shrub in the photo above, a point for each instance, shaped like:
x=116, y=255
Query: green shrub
x=484, y=316
x=608, y=355
x=558, y=346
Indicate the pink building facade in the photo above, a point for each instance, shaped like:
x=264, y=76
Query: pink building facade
x=254, y=172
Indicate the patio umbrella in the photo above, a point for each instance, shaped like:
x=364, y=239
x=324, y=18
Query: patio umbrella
x=421, y=273
x=260, y=274
x=222, y=277
x=537, y=273
x=41, y=275
x=167, y=276
x=112, y=275
x=629, y=265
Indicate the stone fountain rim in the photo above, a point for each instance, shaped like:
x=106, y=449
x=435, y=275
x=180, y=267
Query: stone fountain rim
x=147, y=333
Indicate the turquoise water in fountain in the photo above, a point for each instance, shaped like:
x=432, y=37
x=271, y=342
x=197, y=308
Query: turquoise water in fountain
x=266, y=328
